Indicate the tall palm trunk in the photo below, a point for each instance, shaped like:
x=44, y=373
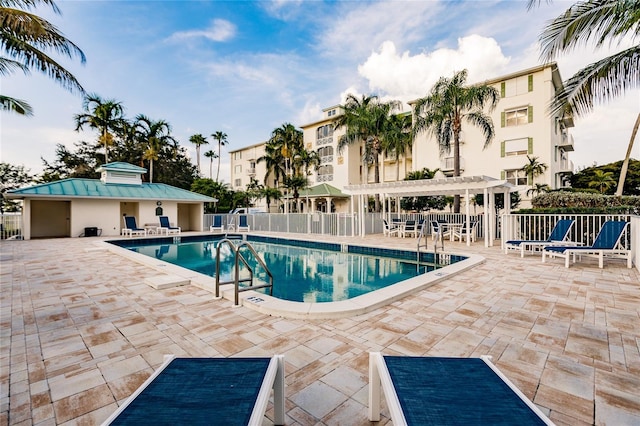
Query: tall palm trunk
x=625, y=163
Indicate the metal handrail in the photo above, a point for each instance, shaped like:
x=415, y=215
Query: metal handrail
x=236, y=280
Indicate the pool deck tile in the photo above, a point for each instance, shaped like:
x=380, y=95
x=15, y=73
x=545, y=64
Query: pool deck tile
x=80, y=330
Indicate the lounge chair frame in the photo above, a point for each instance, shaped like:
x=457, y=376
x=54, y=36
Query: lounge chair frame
x=533, y=246
x=132, y=229
x=166, y=228
x=217, y=226
x=570, y=252
x=273, y=379
x=243, y=226
x=380, y=378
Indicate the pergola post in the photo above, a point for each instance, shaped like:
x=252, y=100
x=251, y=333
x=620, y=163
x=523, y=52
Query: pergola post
x=468, y=213
x=485, y=224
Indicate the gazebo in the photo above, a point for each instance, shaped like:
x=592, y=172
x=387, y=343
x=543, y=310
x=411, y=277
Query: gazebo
x=463, y=186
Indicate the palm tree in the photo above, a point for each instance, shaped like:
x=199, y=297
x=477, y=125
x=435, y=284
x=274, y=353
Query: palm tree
x=602, y=22
x=285, y=145
x=537, y=189
x=397, y=138
x=443, y=111
x=365, y=121
x=222, y=141
x=155, y=136
x=602, y=180
x=25, y=38
x=211, y=154
x=274, y=162
x=198, y=140
x=101, y=115
x=270, y=194
x=533, y=168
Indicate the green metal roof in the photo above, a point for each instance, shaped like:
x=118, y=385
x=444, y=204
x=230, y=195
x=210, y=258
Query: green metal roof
x=323, y=190
x=94, y=188
x=121, y=166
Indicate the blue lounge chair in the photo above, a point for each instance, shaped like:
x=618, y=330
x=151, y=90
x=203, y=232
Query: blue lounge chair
x=131, y=228
x=389, y=230
x=165, y=226
x=217, y=224
x=558, y=236
x=607, y=243
x=447, y=391
x=206, y=391
x=242, y=224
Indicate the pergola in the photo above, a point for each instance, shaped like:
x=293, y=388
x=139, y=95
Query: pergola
x=463, y=186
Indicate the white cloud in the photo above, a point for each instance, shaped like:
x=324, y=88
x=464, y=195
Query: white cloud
x=406, y=77
x=282, y=9
x=358, y=26
x=220, y=30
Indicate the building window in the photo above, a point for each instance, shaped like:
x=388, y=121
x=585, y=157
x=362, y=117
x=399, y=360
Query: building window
x=515, y=177
x=516, y=86
x=237, y=155
x=517, y=117
x=237, y=183
x=237, y=168
x=522, y=146
x=325, y=173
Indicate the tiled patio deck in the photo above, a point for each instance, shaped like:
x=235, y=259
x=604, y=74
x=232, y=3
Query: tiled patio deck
x=80, y=330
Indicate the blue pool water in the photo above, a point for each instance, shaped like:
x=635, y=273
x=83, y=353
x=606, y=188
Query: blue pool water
x=303, y=271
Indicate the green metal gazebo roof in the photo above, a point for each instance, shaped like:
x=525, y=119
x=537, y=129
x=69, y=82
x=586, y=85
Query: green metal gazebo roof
x=94, y=188
x=323, y=190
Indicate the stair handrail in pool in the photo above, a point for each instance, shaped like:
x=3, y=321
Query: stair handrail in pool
x=236, y=281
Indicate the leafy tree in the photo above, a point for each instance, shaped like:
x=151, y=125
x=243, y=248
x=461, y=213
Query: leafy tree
x=217, y=190
x=80, y=163
x=397, y=138
x=211, y=154
x=603, y=23
x=12, y=177
x=198, y=140
x=155, y=137
x=105, y=116
x=450, y=103
x=537, y=189
x=270, y=194
x=602, y=180
x=26, y=39
x=580, y=180
x=222, y=141
x=514, y=198
x=424, y=202
x=295, y=184
x=533, y=168
x=366, y=121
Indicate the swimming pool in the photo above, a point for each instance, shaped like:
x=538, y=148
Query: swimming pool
x=303, y=271
x=352, y=297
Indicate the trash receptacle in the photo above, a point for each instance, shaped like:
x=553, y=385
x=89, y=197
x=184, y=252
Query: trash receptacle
x=91, y=231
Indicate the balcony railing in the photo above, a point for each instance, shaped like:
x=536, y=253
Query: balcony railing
x=565, y=166
x=326, y=159
x=446, y=164
x=325, y=141
x=566, y=142
x=251, y=171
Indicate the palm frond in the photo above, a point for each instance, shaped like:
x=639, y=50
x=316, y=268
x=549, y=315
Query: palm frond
x=598, y=20
x=7, y=66
x=598, y=82
x=16, y=105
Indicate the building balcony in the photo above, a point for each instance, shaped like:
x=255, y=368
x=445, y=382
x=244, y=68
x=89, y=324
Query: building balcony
x=251, y=171
x=566, y=142
x=565, y=167
x=446, y=164
x=324, y=141
x=326, y=159
x=324, y=178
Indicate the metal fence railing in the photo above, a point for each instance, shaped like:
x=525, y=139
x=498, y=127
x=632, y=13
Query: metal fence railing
x=10, y=226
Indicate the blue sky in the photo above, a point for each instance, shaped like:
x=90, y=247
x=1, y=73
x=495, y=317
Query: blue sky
x=245, y=68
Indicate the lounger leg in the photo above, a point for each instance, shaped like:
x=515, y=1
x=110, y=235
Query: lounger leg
x=601, y=259
x=566, y=260
x=374, y=389
x=278, y=393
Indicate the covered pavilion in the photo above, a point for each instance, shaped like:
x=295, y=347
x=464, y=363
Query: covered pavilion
x=462, y=185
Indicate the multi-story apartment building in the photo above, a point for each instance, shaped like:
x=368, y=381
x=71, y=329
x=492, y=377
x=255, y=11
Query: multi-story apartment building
x=523, y=127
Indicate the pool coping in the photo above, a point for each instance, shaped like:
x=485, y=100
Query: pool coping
x=269, y=305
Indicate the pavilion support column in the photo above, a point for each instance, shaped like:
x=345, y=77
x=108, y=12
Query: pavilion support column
x=468, y=214
x=492, y=216
x=485, y=222
x=329, y=204
x=353, y=217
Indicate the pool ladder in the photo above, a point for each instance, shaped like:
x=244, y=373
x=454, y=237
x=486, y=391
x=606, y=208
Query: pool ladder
x=422, y=235
x=240, y=258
